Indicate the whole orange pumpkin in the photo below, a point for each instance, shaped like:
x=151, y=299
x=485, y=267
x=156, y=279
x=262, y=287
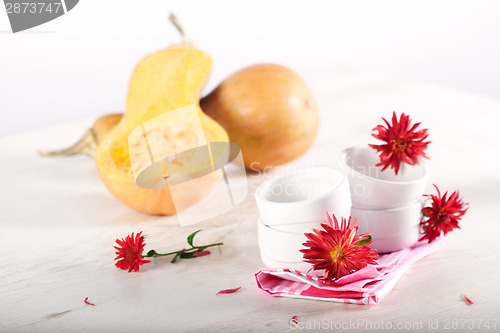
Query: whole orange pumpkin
x=268, y=111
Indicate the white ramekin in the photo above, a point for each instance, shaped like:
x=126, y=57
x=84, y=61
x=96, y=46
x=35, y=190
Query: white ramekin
x=299, y=266
x=373, y=188
x=303, y=196
x=280, y=245
x=392, y=229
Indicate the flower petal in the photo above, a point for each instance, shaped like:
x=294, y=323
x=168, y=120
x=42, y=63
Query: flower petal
x=467, y=299
x=86, y=301
x=201, y=253
x=228, y=291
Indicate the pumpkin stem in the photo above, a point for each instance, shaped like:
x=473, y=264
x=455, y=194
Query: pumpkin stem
x=86, y=145
x=185, y=41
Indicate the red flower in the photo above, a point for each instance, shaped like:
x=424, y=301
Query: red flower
x=443, y=215
x=337, y=249
x=130, y=252
x=403, y=143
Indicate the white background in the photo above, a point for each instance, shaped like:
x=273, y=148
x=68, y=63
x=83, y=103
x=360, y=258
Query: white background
x=78, y=65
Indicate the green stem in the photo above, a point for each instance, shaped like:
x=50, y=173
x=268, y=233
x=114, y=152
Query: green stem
x=86, y=145
x=184, y=253
x=185, y=41
x=154, y=254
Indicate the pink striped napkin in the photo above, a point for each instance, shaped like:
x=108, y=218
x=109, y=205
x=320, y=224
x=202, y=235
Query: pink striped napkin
x=366, y=286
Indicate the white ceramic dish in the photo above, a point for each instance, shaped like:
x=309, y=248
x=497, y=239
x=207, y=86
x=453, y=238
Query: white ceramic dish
x=392, y=229
x=397, y=242
x=298, y=227
x=271, y=263
x=304, y=196
x=373, y=188
x=280, y=245
x=304, y=227
x=300, y=266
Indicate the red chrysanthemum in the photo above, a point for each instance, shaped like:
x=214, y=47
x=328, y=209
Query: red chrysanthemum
x=130, y=252
x=443, y=215
x=337, y=249
x=403, y=143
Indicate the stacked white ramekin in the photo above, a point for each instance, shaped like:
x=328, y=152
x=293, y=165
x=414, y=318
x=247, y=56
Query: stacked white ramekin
x=385, y=204
x=293, y=204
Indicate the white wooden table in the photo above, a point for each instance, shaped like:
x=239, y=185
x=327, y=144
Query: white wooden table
x=58, y=224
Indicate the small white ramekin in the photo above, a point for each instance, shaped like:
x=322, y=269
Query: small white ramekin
x=297, y=227
x=373, y=188
x=280, y=245
x=299, y=266
x=404, y=240
x=392, y=229
x=303, y=196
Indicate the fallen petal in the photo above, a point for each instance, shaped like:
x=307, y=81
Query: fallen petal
x=201, y=253
x=228, y=291
x=467, y=299
x=86, y=300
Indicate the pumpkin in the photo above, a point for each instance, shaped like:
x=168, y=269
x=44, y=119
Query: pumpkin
x=268, y=111
x=162, y=82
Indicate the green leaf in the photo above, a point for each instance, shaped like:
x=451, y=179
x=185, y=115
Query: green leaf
x=364, y=241
x=151, y=253
x=191, y=237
